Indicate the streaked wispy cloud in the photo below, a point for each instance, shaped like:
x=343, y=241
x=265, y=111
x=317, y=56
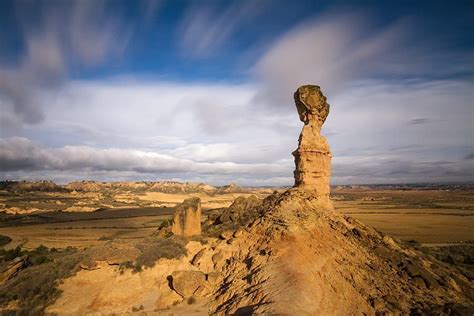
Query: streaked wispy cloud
x=205, y=28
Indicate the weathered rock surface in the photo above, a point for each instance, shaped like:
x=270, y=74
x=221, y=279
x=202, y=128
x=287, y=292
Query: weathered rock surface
x=109, y=290
x=313, y=156
x=189, y=283
x=298, y=259
x=240, y=210
x=10, y=269
x=80, y=209
x=187, y=218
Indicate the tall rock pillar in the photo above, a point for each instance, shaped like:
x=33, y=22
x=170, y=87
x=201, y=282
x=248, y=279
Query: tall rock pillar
x=313, y=156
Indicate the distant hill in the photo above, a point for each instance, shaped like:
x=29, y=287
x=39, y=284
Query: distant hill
x=174, y=187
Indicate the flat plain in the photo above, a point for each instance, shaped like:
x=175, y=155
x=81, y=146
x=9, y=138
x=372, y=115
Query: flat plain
x=428, y=216
x=425, y=216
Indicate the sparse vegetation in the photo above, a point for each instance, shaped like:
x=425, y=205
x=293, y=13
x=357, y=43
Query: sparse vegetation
x=4, y=240
x=10, y=254
x=126, y=265
x=412, y=243
x=153, y=249
x=137, y=309
x=165, y=223
x=35, y=287
x=105, y=238
x=242, y=212
x=459, y=257
x=200, y=239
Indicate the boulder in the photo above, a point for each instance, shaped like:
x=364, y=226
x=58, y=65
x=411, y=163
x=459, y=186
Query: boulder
x=217, y=258
x=188, y=283
x=238, y=233
x=226, y=235
x=197, y=257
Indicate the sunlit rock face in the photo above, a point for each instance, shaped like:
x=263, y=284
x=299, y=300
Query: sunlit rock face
x=313, y=156
x=187, y=218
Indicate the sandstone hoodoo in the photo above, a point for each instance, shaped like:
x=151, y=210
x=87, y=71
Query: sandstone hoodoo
x=313, y=156
x=288, y=254
x=187, y=218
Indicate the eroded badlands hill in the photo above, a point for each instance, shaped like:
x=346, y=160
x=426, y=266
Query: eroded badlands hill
x=292, y=258
x=289, y=254
x=299, y=259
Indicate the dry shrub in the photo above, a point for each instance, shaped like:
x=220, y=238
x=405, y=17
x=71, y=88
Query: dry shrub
x=153, y=249
x=36, y=286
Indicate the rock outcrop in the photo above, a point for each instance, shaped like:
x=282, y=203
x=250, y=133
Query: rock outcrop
x=297, y=259
x=241, y=211
x=187, y=218
x=313, y=156
x=10, y=269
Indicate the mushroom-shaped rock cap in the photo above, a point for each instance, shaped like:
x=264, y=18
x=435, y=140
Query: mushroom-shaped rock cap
x=311, y=104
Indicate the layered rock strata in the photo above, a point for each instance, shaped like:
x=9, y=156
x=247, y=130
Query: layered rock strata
x=187, y=218
x=313, y=156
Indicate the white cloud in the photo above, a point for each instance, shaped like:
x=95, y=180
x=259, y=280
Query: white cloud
x=331, y=51
x=82, y=33
x=163, y=115
x=22, y=154
x=205, y=29
x=337, y=50
x=144, y=123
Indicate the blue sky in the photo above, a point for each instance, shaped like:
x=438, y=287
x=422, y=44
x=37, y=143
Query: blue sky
x=202, y=90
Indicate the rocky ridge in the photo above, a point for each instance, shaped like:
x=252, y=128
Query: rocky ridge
x=300, y=260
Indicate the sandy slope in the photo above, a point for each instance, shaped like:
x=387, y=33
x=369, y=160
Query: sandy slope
x=299, y=258
x=303, y=260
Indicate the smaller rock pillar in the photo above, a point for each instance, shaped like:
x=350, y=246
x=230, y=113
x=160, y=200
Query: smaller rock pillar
x=187, y=218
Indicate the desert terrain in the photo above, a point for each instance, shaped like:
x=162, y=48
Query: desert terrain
x=49, y=222
x=432, y=215
x=237, y=157
x=88, y=213
x=193, y=249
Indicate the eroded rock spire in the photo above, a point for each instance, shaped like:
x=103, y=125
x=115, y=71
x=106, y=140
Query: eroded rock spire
x=313, y=156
